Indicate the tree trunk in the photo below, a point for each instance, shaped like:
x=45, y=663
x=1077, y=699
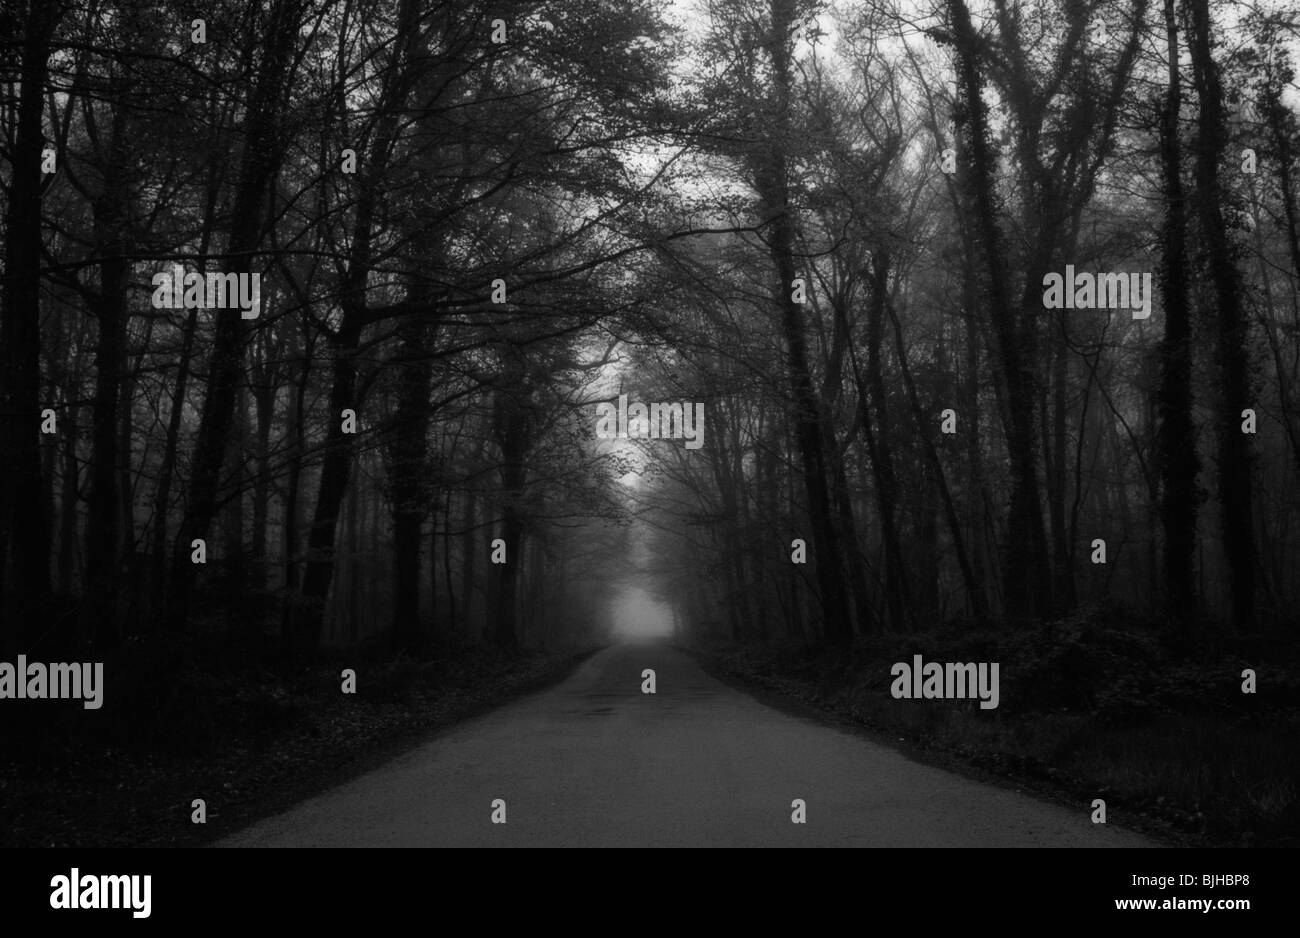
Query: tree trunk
x=512, y=433
x=1236, y=497
x=264, y=398
x=470, y=545
x=263, y=150
x=103, y=533
x=773, y=186
x=23, y=516
x=453, y=621
x=1179, y=463
x=336, y=470
x=68, y=506
x=970, y=577
x=408, y=461
x=898, y=598
x=1026, y=577
x=1064, y=595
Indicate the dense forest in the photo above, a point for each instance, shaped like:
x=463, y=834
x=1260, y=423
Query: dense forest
x=828, y=232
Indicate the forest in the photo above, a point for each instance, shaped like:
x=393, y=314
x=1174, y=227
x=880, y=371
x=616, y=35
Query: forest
x=416, y=333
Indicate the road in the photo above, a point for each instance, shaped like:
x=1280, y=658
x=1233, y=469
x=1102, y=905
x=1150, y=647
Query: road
x=595, y=762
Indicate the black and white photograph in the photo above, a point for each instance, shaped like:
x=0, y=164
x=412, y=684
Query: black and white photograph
x=711, y=424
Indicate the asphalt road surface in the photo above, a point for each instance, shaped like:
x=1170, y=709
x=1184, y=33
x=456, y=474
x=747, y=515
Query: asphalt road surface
x=595, y=762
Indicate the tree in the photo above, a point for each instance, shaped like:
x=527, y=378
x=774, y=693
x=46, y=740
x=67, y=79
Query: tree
x=1179, y=462
x=24, y=524
x=1235, y=482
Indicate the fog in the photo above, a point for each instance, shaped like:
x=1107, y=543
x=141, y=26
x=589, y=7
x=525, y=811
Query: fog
x=636, y=615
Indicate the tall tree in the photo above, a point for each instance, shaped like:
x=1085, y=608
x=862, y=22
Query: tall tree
x=1026, y=583
x=1235, y=482
x=772, y=169
x=264, y=146
x=24, y=522
x=1179, y=462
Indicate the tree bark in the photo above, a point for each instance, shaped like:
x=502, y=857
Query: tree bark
x=898, y=595
x=1026, y=576
x=103, y=531
x=408, y=459
x=1179, y=463
x=512, y=430
x=1235, y=484
x=773, y=185
x=263, y=149
x=24, y=519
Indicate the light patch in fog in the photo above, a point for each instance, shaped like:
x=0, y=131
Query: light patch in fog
x=636, y=615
